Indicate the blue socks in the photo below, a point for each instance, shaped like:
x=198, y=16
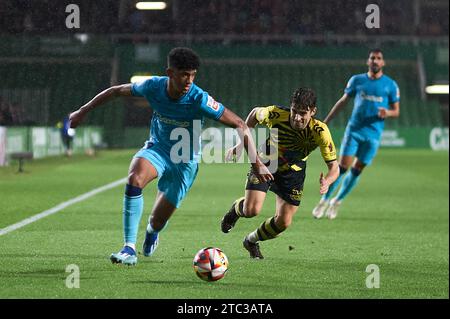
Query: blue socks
x=349, y=182
x=133, y=204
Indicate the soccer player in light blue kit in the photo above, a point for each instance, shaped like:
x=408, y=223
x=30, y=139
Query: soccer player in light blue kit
x=177, y=104
x=377, y=97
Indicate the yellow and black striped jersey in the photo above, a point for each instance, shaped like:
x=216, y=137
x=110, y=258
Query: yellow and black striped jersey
x=293, y=145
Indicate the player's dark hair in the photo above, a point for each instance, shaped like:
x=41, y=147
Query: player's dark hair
x=304, y=99
x=183, y=59
x=376, y=50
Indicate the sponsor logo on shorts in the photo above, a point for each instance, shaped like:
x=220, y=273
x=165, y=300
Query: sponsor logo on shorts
x=254, y=180
x=296, y=194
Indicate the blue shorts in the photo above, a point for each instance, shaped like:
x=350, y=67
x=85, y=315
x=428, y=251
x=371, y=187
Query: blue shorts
x=363, y=147
x=175, y=180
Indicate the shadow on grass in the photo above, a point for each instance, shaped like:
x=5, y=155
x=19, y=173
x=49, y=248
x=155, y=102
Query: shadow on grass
x=198, y=282
x=57, y=256
x=38, y=273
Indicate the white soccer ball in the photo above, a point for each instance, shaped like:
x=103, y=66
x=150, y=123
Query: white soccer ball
x=210, y=264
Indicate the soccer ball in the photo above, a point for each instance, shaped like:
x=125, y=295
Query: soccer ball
x=210, y=264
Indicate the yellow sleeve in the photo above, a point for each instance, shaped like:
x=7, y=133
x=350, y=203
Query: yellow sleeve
x=263, y=115
x=326, y=144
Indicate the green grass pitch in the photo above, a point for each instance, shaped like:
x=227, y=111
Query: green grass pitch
x=396, y=218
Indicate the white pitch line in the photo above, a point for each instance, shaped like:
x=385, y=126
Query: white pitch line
x=61, y=206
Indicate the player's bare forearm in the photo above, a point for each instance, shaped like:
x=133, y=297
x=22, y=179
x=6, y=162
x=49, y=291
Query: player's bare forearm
x=332, y=175
x=230, y=119
x=251, y=123
x=235, y=152
x=107, y=95
x=341, y=103
x=333, y=172
x=251, y=120
x=394, y=111
x=103, y=97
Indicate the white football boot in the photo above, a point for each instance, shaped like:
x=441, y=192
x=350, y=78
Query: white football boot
x=333, y=208
x=320, y=209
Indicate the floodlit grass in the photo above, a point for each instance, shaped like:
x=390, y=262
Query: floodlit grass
x=396, y=218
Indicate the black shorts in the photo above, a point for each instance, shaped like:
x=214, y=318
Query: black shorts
x=287, y=184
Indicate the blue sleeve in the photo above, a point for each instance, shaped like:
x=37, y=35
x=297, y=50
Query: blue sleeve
x=142, y=88
x=210, y=107
x=394, y=93
x=350, y=89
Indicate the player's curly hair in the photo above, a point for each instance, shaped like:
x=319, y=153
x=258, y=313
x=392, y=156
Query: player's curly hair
x=183, y=59
x=376, y=50
x=304, y=99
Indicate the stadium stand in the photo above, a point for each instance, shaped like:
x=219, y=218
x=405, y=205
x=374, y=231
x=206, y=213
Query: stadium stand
x=54, y=73
x=228, y=17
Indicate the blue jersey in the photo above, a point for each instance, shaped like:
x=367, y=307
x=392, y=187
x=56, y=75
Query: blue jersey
x=370, y=94
x=173, y=119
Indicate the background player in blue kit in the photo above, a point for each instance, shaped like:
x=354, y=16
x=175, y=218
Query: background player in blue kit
x=377, y=97
x=176, y=102
x=67, y=135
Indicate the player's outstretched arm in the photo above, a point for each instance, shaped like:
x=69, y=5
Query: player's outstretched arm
x=332, y=175
x=232, y=120
x=337, y=108
x=235, y=152
x=251, y=120
x=115, y=91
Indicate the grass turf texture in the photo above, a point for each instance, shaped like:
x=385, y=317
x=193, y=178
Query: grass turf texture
x=396, y=218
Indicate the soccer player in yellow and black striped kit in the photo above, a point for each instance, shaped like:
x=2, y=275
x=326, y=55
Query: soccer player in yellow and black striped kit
x=294, y=134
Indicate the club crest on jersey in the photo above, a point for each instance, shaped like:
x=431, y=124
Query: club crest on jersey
x=212, y=103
